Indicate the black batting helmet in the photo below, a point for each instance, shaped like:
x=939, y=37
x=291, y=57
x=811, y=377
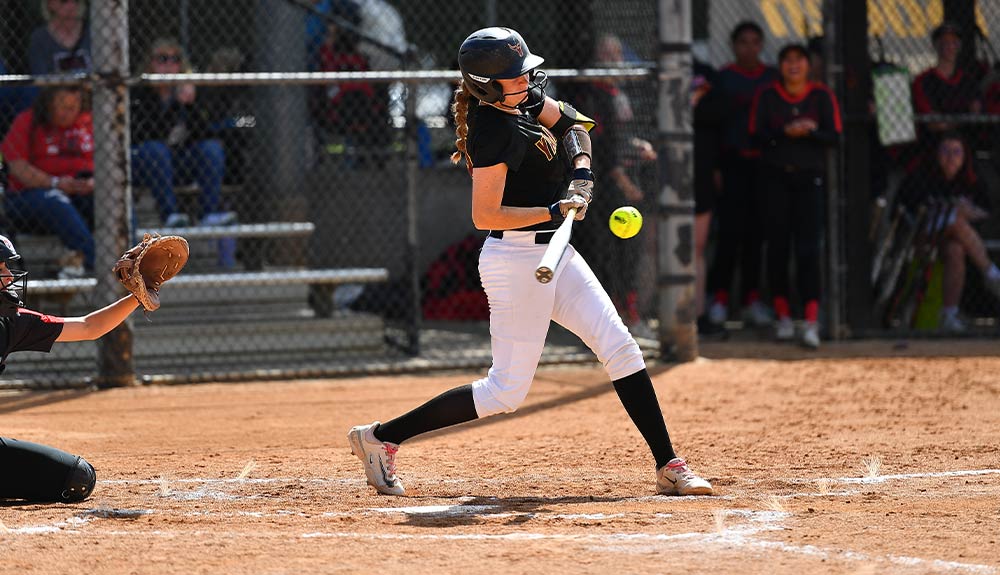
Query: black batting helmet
x=494, y=54
x=14, y=284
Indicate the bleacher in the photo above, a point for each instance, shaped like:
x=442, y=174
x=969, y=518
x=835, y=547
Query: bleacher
x=237, y=313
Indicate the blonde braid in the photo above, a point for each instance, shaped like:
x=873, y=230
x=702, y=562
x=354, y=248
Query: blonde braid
x=460, y=109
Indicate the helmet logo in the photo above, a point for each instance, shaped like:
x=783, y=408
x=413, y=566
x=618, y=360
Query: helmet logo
x=516, y=46
x=479, y=79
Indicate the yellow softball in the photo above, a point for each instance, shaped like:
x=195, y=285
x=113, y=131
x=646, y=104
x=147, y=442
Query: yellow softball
x=625, y=222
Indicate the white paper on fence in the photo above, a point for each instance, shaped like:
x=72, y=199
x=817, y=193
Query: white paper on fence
x=894, y=107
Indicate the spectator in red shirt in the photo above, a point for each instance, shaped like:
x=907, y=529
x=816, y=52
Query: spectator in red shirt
x=50, y=153
x=350, y=110
x=946, y=88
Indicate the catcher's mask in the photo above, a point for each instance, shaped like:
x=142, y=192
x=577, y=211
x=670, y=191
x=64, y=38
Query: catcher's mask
x=493, y=54
x=13, y=280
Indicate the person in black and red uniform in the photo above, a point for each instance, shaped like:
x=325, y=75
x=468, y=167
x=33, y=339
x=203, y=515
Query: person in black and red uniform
x=944, y=89
x=31, y=471
x=794, y=121
x=740, y=232
x=951, y=190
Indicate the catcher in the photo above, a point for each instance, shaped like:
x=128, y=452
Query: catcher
x=38, y=473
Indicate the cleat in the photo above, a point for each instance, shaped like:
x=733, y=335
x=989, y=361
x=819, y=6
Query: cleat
x=378, y=457
x=676, y=478
x=784, y=329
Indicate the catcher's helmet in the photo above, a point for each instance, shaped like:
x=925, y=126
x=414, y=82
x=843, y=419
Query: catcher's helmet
x=491, y=54
x=14, y=285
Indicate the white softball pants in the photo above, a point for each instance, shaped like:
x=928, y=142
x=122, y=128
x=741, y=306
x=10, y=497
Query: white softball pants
x=520, y=311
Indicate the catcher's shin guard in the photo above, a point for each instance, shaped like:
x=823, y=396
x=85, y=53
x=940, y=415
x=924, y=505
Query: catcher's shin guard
x=39, y=473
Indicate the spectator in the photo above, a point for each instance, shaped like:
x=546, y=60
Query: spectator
x=614, y=262
x=50, y=154
x=62, y=45
x=350, y=109
x=708, y=111
x=794, y=121
x=952, y=179
x=944, y=89
x=169, y=129
x=740, y=231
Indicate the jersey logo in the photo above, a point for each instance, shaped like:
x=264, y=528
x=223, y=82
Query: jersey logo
x=516, y=46
x=547, y=144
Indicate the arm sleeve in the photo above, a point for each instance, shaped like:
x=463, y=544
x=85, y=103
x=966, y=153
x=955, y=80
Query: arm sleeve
x=490, y=144
x=830, y=127
x=32, y=331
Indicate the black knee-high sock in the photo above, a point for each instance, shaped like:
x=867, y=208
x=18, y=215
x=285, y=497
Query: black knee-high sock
x=639, y=398
x=450, y=408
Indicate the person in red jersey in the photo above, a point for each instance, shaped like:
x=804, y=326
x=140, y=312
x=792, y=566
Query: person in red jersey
x=794, y=121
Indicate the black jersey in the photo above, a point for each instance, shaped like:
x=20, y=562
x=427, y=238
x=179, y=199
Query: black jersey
x=536, y=173
x=774, y=108
x=28, y=331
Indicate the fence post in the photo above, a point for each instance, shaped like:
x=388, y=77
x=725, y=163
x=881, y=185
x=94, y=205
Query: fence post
x=675, y=201
x=112, y=197
x=857, y=197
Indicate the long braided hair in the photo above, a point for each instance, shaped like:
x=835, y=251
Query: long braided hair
x=460, y=110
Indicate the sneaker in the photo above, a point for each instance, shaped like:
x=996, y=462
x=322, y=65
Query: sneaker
x=177, y=220
x=218, y=219
x=676, y=478
x=810, y=335
x=951, y=323
x=378, y=457
x=717, y=313
x=757, y=314
x=784, y=330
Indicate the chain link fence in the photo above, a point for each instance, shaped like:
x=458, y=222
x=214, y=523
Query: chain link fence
x=302, y=149
x=935, y=229
x=932, y=132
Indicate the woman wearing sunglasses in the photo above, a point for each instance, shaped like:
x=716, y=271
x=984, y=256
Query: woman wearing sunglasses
x=169, y=133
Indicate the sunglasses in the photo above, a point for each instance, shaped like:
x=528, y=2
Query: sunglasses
x=168, y=58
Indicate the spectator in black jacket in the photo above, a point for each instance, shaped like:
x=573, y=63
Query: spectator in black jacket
x=709, y=111
x=956, y=198
x=794, y=121
x=169, y=129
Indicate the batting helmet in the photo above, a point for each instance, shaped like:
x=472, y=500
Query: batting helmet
x=494, y=54
x=13, y=284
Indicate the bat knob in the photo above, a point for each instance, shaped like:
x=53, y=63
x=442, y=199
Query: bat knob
x=543, y=275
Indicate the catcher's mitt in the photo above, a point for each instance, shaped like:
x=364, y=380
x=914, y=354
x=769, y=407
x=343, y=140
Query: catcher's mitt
x=147, y=266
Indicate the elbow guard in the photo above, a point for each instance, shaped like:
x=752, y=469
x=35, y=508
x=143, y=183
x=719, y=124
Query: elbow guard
x=568, y=117
x=577, y=142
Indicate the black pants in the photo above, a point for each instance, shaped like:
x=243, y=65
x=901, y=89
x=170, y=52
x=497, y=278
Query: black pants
x=740, y=229
x=40, y=473
x=794, y=210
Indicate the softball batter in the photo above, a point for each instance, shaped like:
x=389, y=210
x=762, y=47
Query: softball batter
x=516, y=143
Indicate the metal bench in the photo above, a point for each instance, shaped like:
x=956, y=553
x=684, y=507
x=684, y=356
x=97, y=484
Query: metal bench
x=237, y=279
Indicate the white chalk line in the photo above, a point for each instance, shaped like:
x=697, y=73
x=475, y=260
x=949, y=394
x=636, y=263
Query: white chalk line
x=739, y=537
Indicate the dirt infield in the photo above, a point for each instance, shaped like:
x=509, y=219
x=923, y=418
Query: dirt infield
x=822, y=466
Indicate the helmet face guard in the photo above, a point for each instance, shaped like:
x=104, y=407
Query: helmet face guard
x=493, y=54
x=13, y=292
x=13, y=283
